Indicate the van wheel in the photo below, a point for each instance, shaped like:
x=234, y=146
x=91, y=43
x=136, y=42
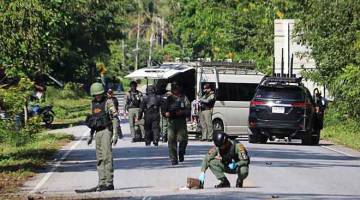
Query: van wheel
x=218, y=126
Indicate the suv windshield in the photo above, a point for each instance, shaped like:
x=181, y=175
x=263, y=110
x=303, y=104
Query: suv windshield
x=289, y=93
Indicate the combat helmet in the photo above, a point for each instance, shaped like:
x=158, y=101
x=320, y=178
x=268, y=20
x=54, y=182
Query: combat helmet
x=220, y=138
x=96, y=89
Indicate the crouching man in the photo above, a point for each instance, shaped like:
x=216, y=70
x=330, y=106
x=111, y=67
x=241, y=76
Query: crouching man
x=227, y=156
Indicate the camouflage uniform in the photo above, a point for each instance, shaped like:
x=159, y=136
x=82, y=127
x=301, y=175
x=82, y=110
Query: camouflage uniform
x=133, y=100
x=177, y=130
x=207, y=102
x=103, y=143
x=218, y=161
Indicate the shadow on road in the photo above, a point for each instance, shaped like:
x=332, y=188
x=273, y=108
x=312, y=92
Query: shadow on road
x=134, y=158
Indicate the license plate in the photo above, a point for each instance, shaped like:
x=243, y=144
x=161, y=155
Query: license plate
x=278, y=109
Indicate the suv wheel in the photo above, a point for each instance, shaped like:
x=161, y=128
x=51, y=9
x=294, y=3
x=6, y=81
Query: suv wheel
x=315, y=139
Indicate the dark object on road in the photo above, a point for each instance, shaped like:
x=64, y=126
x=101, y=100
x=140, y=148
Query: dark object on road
x=284, y=108
x=194, y=183
x=46, y=113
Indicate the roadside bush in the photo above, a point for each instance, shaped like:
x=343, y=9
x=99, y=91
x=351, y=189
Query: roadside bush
x=70, y=91
x=346, y=92
x=11, y=135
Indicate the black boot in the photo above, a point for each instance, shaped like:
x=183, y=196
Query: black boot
x=181, y=157
x=156, y=143
x=108, y=187
x=174, y=162
x=224, y=183
x=239, y=183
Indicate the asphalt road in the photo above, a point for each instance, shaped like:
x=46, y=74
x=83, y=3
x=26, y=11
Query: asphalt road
x=278, y=171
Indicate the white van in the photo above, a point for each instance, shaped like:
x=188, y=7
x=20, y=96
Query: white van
x=234, y=84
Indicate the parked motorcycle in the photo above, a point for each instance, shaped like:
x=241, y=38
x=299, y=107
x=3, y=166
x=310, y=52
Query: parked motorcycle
x=46, y=113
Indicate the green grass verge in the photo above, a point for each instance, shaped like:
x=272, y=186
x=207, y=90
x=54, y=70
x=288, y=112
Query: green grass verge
x=17, y=164
x=71, y=110
x=346, y=133
x=341, y=129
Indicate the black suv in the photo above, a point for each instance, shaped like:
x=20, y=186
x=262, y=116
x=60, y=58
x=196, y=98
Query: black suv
x=283, y=108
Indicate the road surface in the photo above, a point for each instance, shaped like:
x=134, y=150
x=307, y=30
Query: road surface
x=278, y=171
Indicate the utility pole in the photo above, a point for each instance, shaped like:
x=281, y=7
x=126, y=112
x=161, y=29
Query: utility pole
x=162, y=32
x=123, y=51
x=137, y=43
x=151, y=41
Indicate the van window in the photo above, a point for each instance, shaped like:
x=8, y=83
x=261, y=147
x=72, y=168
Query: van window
x=236, y=91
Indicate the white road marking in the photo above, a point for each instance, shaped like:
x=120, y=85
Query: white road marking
x=338, y=151
x=51, y=172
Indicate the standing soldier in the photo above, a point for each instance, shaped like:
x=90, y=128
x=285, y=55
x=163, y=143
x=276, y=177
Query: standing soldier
x=110, y=95
x=103, y=122
x=150, y=107
x=207, y=102
x=176, y=109
x=133, y=100
x=226, y=157
x=164, y=121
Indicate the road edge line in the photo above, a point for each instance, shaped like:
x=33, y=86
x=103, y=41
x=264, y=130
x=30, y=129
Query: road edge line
x=338, y=151
x=53, y=169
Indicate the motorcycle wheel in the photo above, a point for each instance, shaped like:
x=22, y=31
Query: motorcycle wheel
x=48, y=119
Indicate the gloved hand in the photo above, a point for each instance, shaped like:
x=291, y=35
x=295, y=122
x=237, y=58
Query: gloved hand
x=114, y=139
x=233, y=165
x=202, y=177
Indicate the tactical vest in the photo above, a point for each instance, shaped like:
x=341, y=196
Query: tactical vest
x=134, y=99
x=232, y=155
x=208, y=105
x=152, y=102
x=175, y=104
x=99, y=119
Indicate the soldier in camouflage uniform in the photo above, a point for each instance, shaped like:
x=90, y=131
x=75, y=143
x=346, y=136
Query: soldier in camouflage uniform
x=133, y=100
x=226, y=157
x=176, y=109
x=207, y=102
x=103, y=122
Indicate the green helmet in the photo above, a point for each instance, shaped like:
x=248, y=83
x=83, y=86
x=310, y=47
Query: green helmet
x=96, y=89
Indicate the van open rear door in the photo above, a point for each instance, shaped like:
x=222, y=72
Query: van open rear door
x=164, y=71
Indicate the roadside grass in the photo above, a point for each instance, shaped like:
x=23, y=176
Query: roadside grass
x=340, y=129
x=17, y=164
x=70, y=104
x=345, y=133
x=71, y=110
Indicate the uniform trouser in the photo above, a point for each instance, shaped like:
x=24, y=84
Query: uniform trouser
x=164, y=123
x=177, y=132
x=219, y=170
x=152, y=126
x=135, y=127
x=206, y=124
x=104, y=157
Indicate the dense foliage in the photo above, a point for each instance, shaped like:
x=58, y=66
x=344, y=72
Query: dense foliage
x=67, y=38
x=332, y=30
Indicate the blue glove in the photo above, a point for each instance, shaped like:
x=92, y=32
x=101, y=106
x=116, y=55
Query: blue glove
x=202, y=177
x=233, y=165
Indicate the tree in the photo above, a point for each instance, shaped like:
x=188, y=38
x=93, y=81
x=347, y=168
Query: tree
x=27, y=37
